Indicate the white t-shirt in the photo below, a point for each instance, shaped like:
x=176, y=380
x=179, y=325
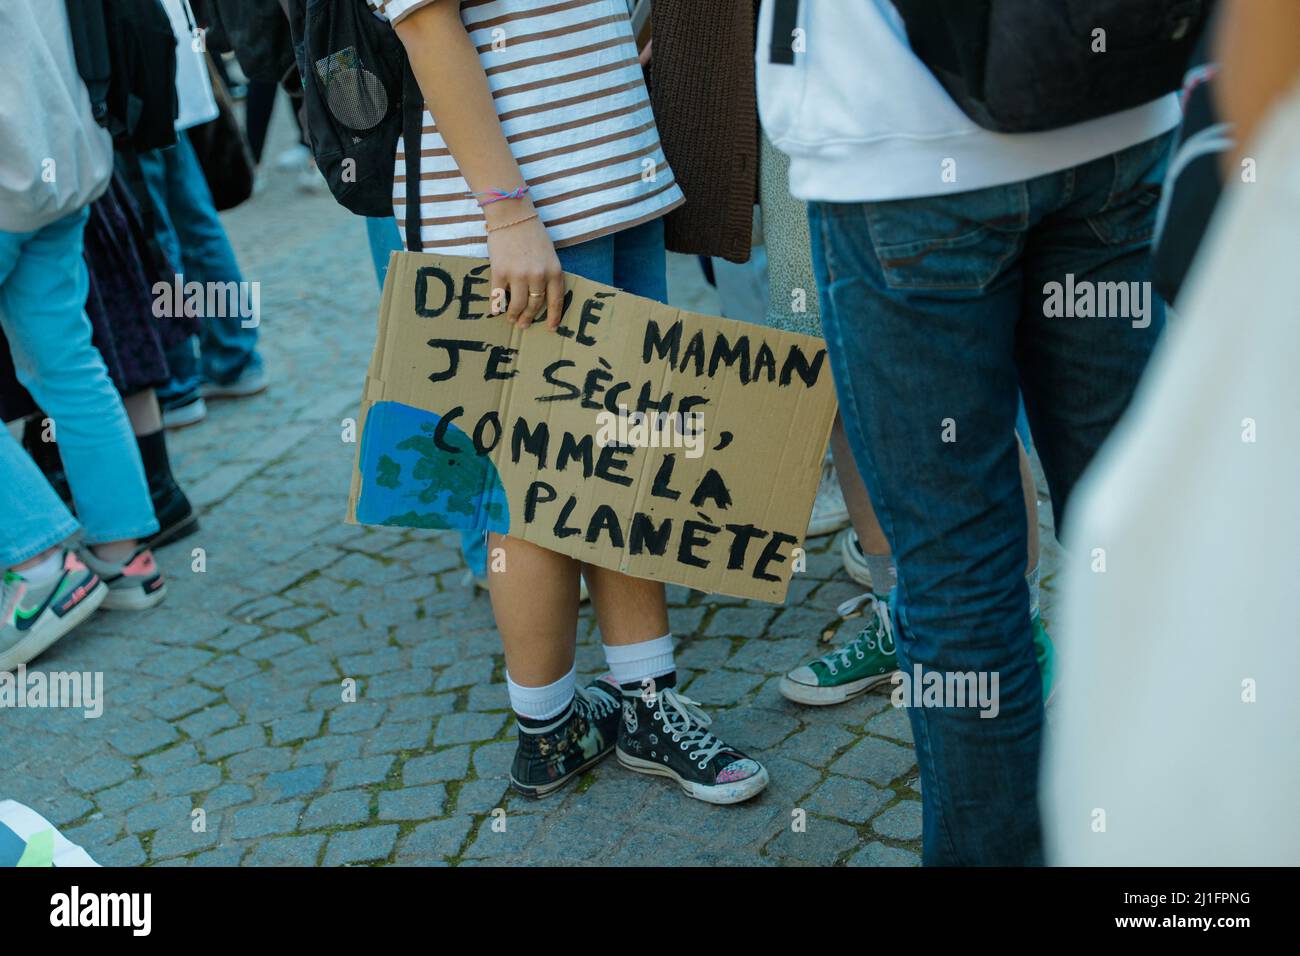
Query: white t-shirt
x=864, y=120
x=574, y=107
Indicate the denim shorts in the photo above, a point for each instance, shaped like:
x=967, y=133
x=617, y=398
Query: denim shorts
x=632, y=260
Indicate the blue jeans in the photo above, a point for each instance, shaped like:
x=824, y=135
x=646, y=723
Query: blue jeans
x=632, y=260
x=43, y=286
x=934, y=314
x=385, y=238
x=191, y=234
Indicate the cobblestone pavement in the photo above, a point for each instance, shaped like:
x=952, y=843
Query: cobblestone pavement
x=228, y=697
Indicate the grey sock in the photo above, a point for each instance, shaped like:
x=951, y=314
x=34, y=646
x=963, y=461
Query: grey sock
x=883, y=574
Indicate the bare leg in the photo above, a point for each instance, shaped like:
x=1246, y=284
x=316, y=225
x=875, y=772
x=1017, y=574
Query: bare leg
x=535, y=601
x=116, y=551
x=142, y=409
x=629, y=610
x=861, y=514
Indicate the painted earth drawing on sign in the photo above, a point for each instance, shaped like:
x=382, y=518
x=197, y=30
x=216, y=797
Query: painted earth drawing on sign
x=409, y=480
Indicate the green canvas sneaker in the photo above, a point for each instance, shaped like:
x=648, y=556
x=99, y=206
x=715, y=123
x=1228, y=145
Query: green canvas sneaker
x=855, y=668
x=869, y=660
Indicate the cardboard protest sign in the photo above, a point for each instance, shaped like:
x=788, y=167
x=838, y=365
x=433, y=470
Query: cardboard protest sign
x=680, y=447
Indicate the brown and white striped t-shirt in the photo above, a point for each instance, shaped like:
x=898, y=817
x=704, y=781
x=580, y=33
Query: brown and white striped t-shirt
x=574, y=108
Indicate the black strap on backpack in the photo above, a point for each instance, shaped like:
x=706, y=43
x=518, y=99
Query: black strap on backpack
x=785, y=18
x=143, y=47
x=412, y=141
x=126, y=55
x=89, y=27
x=1195, y=183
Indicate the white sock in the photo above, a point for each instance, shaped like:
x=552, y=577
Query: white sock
x=45, y=570
x=633, y=663
x=1031, y=578
x=542, y=703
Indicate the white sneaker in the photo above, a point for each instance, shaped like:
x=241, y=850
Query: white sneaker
x=34, y=617
x=251, y=381
x=182, y=416
x=829, y=512
x=295, y=156
x=855, y=562
x=310, y=179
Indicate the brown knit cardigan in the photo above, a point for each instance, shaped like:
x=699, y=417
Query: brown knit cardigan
x=705, y=104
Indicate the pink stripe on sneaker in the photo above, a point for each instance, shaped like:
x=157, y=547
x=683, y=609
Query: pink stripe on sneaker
x=141, y=564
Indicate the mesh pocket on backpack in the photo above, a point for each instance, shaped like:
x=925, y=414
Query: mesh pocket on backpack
x=355, y=96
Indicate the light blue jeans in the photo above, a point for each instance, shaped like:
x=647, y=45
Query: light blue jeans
x=43, y=285
x=191, y=234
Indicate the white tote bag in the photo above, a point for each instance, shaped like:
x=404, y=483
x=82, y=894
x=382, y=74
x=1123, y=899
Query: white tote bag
x=1177, y=736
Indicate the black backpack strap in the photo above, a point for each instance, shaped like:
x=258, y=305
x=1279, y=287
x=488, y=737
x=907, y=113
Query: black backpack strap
x=412, y=139
x=127, y=164
x=785, y=18
x=90, y=45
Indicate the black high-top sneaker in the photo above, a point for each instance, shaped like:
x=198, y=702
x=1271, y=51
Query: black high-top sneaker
x=665, y=733
x=175, y=515
x=550, y=756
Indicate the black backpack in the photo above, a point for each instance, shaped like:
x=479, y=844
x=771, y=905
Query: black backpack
x=1019, y=66
x=254, y=30
x=126, y=54
x=360, y=97
x=1195, y=183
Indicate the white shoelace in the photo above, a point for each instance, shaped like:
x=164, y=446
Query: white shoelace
x=597, y=704
x=683, y=718
x=882, y=626
x=847, y=608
